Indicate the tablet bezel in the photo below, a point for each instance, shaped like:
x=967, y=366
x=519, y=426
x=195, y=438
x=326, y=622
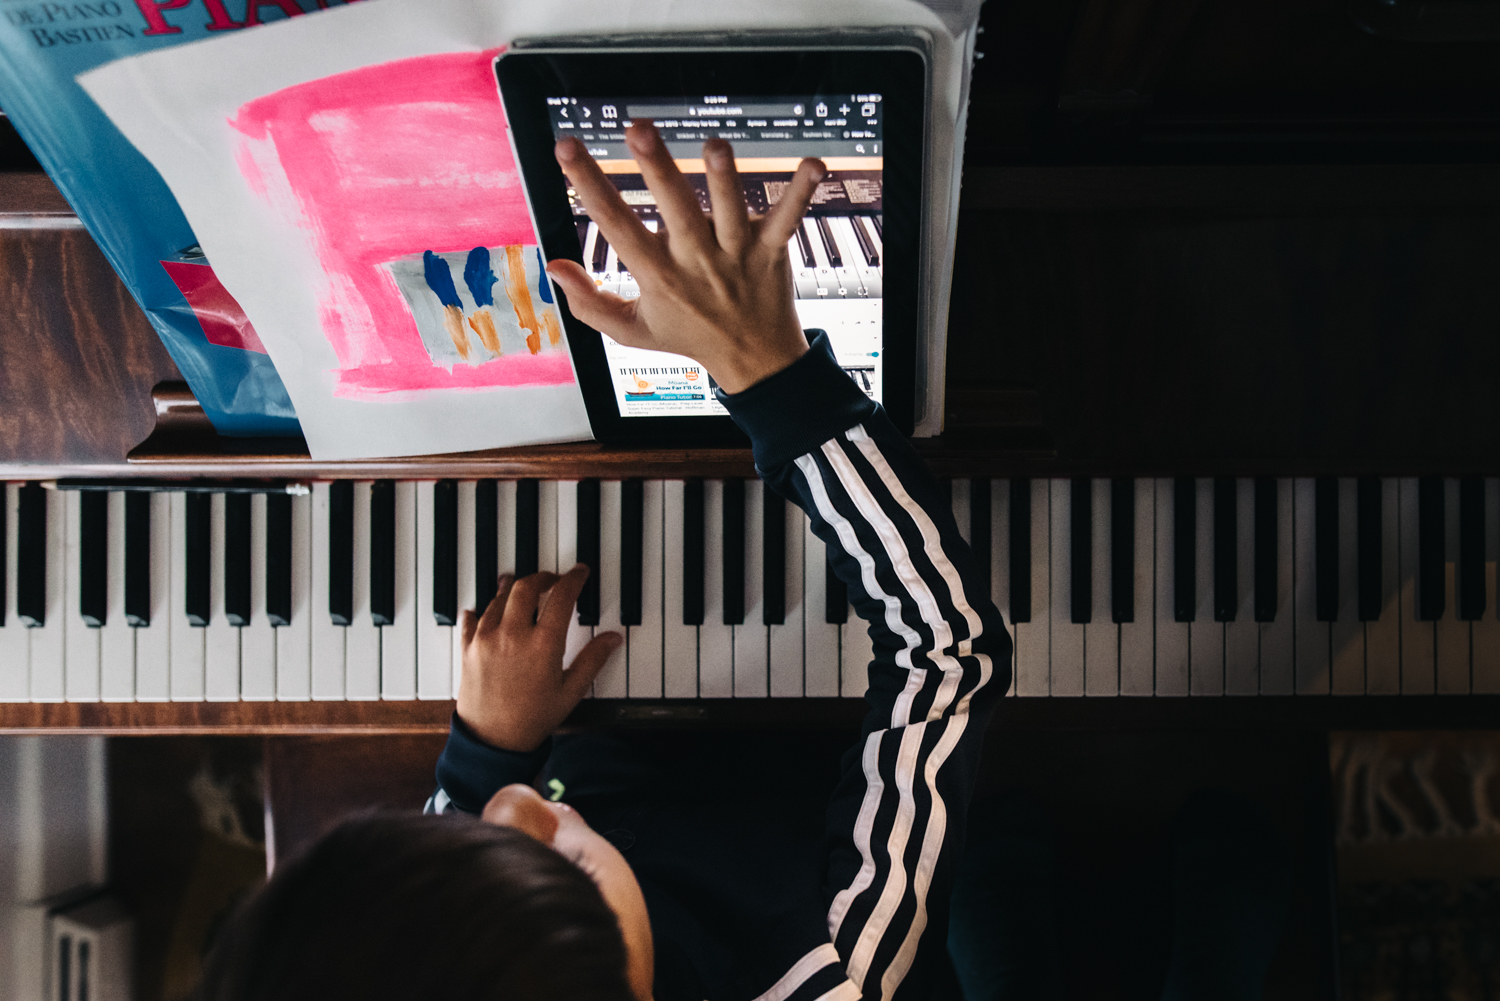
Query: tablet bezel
x=899, y=73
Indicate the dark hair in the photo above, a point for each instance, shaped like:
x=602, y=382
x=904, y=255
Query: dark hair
x=410, y=907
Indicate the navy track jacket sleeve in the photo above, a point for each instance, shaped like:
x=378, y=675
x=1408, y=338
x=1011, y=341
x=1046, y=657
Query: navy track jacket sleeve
x=941, y=658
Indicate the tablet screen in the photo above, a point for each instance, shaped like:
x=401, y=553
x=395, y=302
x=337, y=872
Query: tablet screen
x=836, y=255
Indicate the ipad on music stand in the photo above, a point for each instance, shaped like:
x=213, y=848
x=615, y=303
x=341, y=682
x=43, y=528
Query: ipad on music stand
x=855, y=260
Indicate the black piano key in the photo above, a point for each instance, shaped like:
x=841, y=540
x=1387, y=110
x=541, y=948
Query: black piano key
x=830, y=245
x=692, y=553
x=979, y=531
x=93, y=556
x=734, y=552
x=1266, y=596
x=1226, y=549
x=879, y=229
x=383, y=552
x=1122, y=549
x=445, y=552
x=279, y=559
x=836, y=597
x=31, y=555
x=1020, y=550
x=487, y=542
x=528, y=519
x=1368, y=529
x=1326, y=548
x=1082, y=548
x=601, y=256
x=1431, y=536
x=804, y=247
x=1184, y=548
x=866, y=245
x=198, y=535
x=588, y=550
x=1471, y=596
x=341, y=552
x=632, y=540
x=237, y=559
x=773, y=557
x=138, y=558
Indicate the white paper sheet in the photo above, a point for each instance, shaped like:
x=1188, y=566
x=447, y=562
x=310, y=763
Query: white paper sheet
x=195, y=121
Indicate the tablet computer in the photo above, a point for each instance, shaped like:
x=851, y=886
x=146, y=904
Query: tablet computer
x=855, y=260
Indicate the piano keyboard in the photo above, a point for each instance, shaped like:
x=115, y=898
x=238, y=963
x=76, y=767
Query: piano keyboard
x=1166, y=587
x=833, y=257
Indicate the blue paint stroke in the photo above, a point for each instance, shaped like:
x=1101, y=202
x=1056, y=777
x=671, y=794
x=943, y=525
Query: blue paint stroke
x=440, y=279
x=479, y=277
x=543, y=285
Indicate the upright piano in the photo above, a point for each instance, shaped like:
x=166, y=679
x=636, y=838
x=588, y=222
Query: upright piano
x=1220, y=422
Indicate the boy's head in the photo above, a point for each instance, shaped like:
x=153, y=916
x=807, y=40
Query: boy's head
x=408, y=907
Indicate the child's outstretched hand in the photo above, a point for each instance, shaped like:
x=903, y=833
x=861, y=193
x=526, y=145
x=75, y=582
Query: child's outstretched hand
x=515, y=689
x=717, y=291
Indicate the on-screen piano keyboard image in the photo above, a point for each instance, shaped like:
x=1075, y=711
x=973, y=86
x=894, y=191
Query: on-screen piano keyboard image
x=1166, y=587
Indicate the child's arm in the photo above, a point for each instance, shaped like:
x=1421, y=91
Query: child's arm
x=721, y=293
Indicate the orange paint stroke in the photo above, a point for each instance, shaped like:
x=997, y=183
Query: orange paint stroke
x=554, y=331
x=519, y=293
x=484, y=325
x=453, y=322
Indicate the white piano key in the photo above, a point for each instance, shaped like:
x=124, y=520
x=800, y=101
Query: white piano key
x=1066, y=642
x=435, y=642
x=258, y=639
x=645, y=640
x=1348, y=631
x=1000, y=564
x=804, y=279
x=465, y=568
x=786, y=640
x=1172, y=637
x=1452, y=632
x=750, y=673
x=1278, y=637
x=505, y=529
x=49, y=643
x=611, y=682
x=1138, y=637
x=679, y=642
x=329, y=642
x=856, y=651
x=960, y=504
x=15, y=641
x=590, y=240
x=567, y=557
x=362, y=635
x=1101, y=637
x=294, y=641
x=715, y=638
x=221, y=641
x=821, y=644
x=1242, y=636
x=398, y=642
x=1486, y=631
x=828, y=284
x=1312, y=636
x=81, y=664
x=117, y=637
x=1205, y=635
x=186, y=639
x=546, y=529
x=1033, y=638
x=1383, y=636
x=1418, y=641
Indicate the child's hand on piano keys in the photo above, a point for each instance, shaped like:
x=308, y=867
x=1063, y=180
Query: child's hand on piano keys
x=717, y=291
x=515, y=689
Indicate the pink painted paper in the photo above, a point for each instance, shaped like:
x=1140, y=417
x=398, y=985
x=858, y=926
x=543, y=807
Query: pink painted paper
x=378, y=163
